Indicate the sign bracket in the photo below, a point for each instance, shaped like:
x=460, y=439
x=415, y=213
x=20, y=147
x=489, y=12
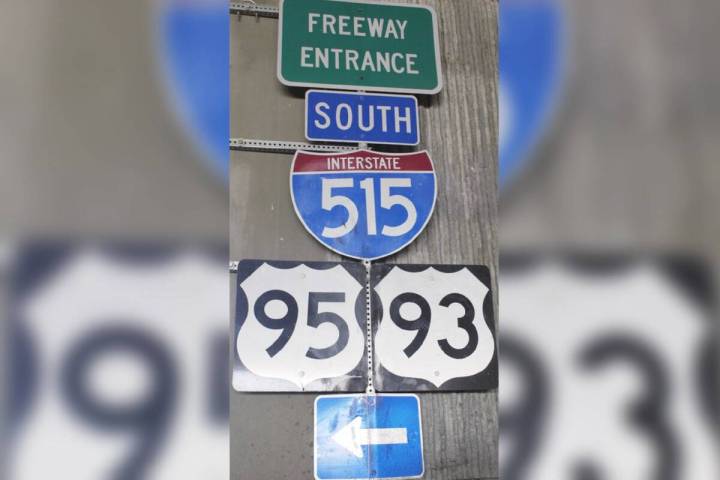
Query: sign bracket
x=368, y=317
x=279, y=146
x=251, y=8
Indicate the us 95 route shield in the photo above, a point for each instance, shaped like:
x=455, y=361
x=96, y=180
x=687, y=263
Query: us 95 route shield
x=299, y=326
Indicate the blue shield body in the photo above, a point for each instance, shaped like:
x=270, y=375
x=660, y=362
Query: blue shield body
x=363, y=204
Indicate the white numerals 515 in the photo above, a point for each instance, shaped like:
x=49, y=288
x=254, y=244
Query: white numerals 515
x=387, y=201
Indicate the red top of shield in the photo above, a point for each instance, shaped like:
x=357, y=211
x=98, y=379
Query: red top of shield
x=362, y=161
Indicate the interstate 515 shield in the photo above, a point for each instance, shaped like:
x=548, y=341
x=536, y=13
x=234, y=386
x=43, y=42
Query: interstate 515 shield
x=363, y=204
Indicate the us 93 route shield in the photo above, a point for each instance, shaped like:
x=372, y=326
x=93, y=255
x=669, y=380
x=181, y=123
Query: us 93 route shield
x=363, y=204
x=433, y=328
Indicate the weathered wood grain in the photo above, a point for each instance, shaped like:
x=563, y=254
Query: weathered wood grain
x=271, y=435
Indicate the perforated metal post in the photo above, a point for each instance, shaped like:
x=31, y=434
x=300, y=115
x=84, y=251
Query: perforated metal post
x=275, y=146
x=253, y=9
x=368, y=328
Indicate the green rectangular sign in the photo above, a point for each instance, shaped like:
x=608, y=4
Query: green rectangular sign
x=359, y=46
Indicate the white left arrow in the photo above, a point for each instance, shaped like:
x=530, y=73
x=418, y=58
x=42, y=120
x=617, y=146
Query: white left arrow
x=352, y=437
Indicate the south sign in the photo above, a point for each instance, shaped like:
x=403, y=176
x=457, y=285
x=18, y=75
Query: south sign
x=363, y=204
x=361, y=117
x=358, y=46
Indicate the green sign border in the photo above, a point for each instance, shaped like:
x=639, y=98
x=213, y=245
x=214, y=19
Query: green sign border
x=343, y=86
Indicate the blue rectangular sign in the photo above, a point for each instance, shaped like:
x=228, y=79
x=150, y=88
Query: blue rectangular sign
x=368, y=436
x=361, y=117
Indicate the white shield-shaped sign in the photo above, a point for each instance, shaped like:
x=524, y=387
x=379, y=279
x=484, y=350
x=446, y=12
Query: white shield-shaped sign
x=300, y=327
x=434, y=328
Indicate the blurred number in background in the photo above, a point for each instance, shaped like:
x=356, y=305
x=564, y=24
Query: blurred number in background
x=606, y=369
x=120, y=362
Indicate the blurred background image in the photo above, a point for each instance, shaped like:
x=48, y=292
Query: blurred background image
x=119, y=361
x=608, y=234
x=607, y=367
x=114, y=151
x=113, y=146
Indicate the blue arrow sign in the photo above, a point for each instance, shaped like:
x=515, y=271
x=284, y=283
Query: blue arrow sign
x=368, y=436
x=361, y=117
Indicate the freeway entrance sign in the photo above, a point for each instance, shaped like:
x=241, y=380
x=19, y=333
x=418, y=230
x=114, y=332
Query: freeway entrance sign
x=363, y=204
x=368, y=436
x=359, y=46
x=361, y=117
